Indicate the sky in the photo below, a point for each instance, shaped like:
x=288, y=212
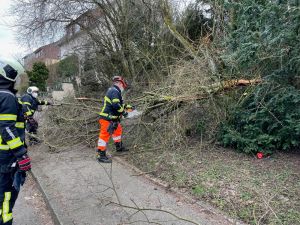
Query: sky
x=9, y=47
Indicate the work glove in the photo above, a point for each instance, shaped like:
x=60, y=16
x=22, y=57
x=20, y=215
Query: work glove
x=32, y=122
x=30, y=119
x=24, y=162
x=125, y=114
x=129, y=107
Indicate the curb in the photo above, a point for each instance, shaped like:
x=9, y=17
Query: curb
x=53, y=214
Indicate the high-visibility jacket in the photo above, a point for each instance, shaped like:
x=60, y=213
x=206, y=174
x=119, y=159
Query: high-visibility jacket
x=113, y=106
x=11, y=128
x=30, y=104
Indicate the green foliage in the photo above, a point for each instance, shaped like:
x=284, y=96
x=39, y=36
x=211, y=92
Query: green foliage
x=199, y=190
x=38, y=75
x=291, y=216
x=266, y=121
x=264, y=39
x=68, y=66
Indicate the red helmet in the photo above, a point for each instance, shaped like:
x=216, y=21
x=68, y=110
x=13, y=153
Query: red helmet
x=120, y=79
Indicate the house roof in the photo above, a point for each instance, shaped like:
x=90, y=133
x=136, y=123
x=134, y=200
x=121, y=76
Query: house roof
x=40, y=48
x=92, y=13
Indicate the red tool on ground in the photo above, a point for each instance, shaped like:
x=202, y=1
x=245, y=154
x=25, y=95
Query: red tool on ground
x=259, y=155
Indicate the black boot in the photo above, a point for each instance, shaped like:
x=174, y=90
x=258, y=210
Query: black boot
x=120, y=147
x=102, y=158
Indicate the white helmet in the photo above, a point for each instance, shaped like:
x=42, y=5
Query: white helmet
x=32, y=89
x=10, y=69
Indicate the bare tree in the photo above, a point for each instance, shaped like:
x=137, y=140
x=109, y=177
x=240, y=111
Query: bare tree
x=129, y=36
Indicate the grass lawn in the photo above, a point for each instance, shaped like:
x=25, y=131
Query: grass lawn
x=257, y=191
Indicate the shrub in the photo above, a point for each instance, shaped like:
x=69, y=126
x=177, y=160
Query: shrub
x=38, y=75
x=267, y=120
x=263, y=41
x=263, y=38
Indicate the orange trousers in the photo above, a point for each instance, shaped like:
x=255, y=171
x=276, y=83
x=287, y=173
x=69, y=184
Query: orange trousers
x=104, y=135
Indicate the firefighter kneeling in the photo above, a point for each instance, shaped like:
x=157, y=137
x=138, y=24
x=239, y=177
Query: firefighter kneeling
x=110, y=116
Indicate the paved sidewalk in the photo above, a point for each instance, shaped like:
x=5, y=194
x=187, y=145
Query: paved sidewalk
x=81, y=193
x=30, y=208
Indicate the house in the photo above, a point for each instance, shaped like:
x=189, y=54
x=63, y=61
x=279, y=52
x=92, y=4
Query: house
x=49, y=54
x=77, y=41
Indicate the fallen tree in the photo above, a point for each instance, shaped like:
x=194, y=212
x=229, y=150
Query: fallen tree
x=74, y=121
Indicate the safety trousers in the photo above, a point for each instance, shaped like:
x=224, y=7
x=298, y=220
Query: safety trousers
x=105, y=135
x=8, y=197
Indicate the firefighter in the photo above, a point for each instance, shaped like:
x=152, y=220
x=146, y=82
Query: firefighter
x=14, y=161
x=110, y=115
x=30, y=105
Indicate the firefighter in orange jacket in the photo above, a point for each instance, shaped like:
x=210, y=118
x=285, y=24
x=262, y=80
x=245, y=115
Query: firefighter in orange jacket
x=110, y=116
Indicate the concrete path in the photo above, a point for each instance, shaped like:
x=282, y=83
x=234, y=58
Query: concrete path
x=30, y=208
x=84, y=192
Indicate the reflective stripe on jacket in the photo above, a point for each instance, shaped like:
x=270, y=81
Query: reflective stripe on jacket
x=11, y=119
x=30, y=104
x=113, y=104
